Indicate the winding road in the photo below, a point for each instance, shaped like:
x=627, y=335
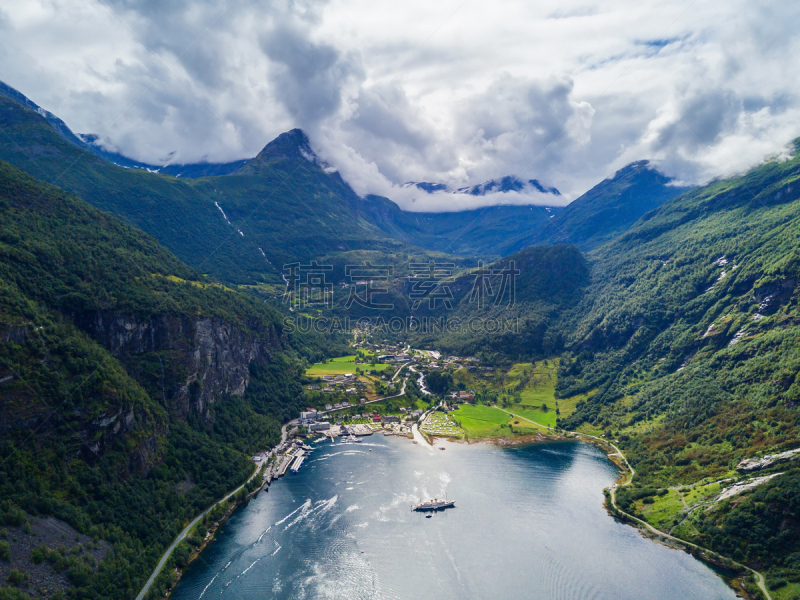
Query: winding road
x=182, y=535
x=612, y=495
x=397, y=395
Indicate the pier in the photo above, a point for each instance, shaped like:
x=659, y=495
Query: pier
x=298, y=461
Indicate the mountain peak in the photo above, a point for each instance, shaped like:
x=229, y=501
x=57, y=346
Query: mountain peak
x=289, y=147
x=509, y=183
x=429, y=187
x=609, y=208
x=634, y=168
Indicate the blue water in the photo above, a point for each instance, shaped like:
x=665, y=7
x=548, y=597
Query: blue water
x=529, y=523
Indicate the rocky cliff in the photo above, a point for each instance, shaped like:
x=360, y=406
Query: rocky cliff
x=201, y=359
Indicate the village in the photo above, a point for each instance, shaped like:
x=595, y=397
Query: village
x=366, y=413
x=290, y=454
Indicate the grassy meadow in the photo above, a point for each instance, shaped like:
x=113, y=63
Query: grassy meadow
x=341, y=365
x=483, y=421
x=532, y=388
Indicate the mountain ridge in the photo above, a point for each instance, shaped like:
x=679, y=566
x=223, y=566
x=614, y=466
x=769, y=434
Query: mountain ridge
x=674, y=314
x=607, y=209
x=350, y=222
x=508, y=183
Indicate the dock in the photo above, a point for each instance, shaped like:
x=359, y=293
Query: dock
x=298, y=461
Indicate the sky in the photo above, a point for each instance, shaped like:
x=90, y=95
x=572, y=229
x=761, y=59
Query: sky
x=456, y=91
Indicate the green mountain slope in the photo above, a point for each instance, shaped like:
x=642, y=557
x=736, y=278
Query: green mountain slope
x=89, y=142
x=132, y=390
x=174, y=213
x=605, y=211
x=294, y=207
x=281, y=207
x=687, y=341
x=508, y=310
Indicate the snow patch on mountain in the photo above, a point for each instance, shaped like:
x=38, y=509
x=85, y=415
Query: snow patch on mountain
x=424, y=196
x=503, y=185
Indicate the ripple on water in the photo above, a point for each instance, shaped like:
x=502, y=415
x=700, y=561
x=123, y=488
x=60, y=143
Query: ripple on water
x=529, y=523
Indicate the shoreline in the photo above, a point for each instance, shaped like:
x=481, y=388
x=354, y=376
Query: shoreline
x=716, y=562
x=712, y=559
x=195, y=553
x=211, y=534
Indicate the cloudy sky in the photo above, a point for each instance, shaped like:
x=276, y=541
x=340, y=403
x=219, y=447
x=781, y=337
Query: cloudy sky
x=456, y=91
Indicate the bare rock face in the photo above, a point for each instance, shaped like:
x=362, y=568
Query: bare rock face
x=207, y=357
x=185, y=363
x=758, y=463
x=145, y=431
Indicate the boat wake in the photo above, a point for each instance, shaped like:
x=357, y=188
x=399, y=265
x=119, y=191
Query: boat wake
x=306, y=504
x=319, y=508
x=263, y=534
x=207, y=586
x=250, y=567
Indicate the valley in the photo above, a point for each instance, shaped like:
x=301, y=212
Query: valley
x=158, y=331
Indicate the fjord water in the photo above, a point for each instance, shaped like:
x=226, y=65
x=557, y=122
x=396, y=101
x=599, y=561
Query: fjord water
x=529, y=523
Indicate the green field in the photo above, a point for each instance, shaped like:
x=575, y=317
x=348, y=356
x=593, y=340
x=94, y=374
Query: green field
x=668, y=510
x=535, y=383
x=548, y=419
x=523, y=390
x=342, y=365
x=662, y=513
x=483, y=421
x=787, y=592
x=539, y=381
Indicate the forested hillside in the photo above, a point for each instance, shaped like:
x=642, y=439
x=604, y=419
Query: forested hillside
x=687, y=340
x=136, y=376
x=189, y=224
x=510, y=307
x=283, y=206
x=132, y=390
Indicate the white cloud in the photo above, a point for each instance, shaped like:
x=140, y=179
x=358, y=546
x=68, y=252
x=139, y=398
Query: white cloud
x=564, y=92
